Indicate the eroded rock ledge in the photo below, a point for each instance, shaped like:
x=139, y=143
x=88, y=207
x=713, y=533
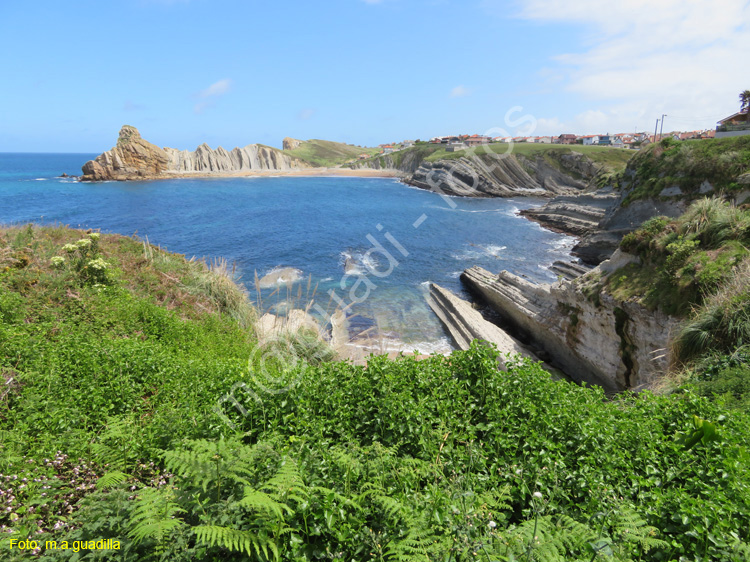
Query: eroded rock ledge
x=134, y=158
x=466, y=324
x=592, y=336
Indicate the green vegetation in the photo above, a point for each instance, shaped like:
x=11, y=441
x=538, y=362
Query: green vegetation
x=138, y=407
x=684, y=260
x=328, y=153
x=687, y=164
x=698, y=267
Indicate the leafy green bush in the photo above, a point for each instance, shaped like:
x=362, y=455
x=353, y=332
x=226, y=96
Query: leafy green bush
x=446, y=458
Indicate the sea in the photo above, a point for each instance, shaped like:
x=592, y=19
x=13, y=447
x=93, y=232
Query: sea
x=370, y=245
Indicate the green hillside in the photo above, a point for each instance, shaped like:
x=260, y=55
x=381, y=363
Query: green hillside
x=328, y=154
x=723, y=163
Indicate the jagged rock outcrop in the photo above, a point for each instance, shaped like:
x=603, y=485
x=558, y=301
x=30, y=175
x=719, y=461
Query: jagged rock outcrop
x=597, y=339
x=134, y=158
x=290, y=144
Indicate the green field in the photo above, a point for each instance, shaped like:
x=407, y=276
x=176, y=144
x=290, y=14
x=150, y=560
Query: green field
x=328, y=154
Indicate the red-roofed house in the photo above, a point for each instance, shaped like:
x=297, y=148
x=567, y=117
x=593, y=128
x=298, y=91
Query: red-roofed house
x=734, y=125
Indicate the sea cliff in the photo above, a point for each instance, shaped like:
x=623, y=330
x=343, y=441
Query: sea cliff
x=134, y=158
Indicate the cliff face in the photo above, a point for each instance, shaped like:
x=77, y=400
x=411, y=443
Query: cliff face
x=592, y=336
x=493, y=175
x=206, y=160
x=134, y=158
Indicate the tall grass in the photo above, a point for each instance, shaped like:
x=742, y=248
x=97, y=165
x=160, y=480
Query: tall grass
x=722, y=324
x=220, y=283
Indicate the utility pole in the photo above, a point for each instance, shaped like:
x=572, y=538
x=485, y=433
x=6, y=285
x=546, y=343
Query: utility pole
x=661, y=128
x=656, y=128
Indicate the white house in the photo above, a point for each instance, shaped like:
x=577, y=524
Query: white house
x=589, y=140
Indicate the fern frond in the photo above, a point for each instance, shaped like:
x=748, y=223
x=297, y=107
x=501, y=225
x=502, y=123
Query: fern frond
x=414, y=546
x=287, y=483
x=236, y=541
x=257, y=500
x=376, y=494
x=627, y=526
x=155, y=515
x=114, y=446
x=111, y=479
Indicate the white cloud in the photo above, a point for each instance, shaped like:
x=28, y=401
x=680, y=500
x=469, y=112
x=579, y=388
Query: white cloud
x=209, y=95
x=216, y=89
x=460, y=92
x=642, y=58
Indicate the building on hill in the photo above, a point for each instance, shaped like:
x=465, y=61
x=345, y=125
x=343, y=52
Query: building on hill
x=566, y=139
x=476, y=140
x=734, y=125
x=455, y=147
x=590, y=140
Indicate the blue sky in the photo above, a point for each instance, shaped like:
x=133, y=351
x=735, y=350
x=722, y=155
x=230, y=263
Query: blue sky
x=232, y=73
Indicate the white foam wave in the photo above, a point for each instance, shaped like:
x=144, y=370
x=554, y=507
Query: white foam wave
x=357, y=262
x=41, y=179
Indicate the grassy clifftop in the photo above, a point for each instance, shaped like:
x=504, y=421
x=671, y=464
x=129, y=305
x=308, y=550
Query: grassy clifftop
x=328, y=153
x=713, y=164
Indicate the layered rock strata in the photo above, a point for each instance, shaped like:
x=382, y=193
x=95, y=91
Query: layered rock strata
x=134, y=158
x=493, y=175
x=466, y=324
x=592, y=336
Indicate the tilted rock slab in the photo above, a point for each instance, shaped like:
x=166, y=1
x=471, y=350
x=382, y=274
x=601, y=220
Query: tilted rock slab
x=134, y=158
x=617, y=345
x=466, y=324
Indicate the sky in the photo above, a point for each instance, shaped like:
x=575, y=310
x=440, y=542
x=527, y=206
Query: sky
x=235, y=72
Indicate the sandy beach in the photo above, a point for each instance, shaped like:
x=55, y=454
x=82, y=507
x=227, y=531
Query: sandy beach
x=300, y=172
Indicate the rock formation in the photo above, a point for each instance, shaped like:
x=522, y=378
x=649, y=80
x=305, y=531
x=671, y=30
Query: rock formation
x=592, y=336
x=290, y=144
x=466, y=324
x=131, y=158
x=134, y=158
x=494, y=175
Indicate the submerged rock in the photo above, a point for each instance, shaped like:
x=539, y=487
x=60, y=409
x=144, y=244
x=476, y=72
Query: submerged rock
x=281, y=276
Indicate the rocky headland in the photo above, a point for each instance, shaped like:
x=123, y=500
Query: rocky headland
x=660, y=180
x=134, y=158
x=480, y=174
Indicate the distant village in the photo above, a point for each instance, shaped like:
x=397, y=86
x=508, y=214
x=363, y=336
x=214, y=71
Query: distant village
x=734, y=125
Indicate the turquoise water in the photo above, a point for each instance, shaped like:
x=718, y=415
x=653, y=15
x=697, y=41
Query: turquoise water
x=392, y=239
